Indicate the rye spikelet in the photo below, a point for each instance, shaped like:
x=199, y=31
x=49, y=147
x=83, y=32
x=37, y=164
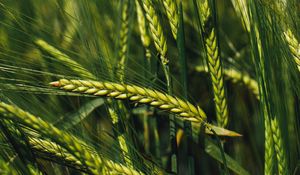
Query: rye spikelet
x=67, y=141
x=123, y=49
x=57, y=151
x=237, y=77
x=70, y=8
x=123, y=42
x=156, y=31
x=240, y=6
x=142, y=95
x=279, y=148
x=134, y=93
x=73, y=145
x=294, y=46
x=77, y=68
x=145, y=38
x=269, y=148
x=34, y=170
x=19, y=142
x=54, y=151
x=6, y=169
x=161, y=45
x=280, y=8
x=159, y=39
x=172, y=14
x=82, y=72
x=269, y=141
x=214, y=63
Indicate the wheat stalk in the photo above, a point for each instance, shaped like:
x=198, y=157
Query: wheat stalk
x=172, y=14
x=214, y=63
x=73, y=145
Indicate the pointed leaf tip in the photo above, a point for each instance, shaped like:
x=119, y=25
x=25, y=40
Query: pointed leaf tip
x=223, y=132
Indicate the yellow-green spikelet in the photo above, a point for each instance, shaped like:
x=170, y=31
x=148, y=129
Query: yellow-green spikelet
x=145, y=38
x=214, y=63
x=134, y=93
x=123, y=42
x=172, y=14
x=156, y=31
x=93, y=162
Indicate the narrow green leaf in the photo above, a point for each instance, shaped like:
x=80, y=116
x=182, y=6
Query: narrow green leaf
x=181, y=51
x=69, y=121
x=213, y=150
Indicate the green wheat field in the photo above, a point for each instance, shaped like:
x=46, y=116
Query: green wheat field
x=142, y=87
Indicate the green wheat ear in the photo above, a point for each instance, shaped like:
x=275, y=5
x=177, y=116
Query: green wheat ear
x=145, y=38
x=156, y=31
x=214, y=62
x=237, y=77
x=52, y=149
x=122, y=58
x=142, y=95
x=62, y=57
x=5, y=168
x=240, y=6
x=46, y=129
x=134, y=93
x=93, y=162
x=280, y=8
x=123, y=42
x=294, y=46
x=172, y=14
x=281, y=156
x=269, y=147
x=81, y=71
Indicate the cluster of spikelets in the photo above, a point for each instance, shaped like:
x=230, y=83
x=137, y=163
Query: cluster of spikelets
x=77, y=152
x=53, y=143
x=72, y=150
